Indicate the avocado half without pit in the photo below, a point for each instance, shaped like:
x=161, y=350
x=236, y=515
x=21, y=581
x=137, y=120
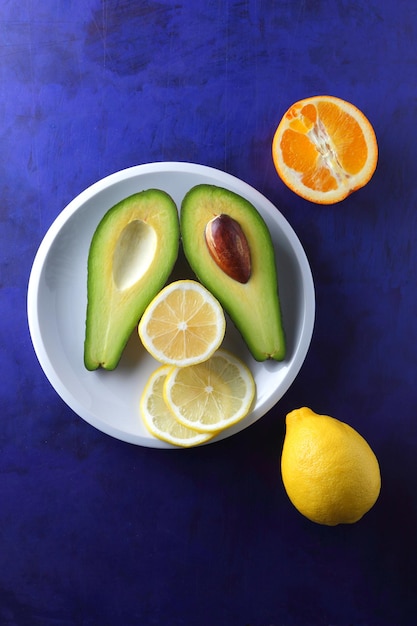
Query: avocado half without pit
x=229, y=247
x=132, y=254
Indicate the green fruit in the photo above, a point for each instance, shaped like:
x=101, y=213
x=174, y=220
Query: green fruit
x=132, y=253
x=229, y=247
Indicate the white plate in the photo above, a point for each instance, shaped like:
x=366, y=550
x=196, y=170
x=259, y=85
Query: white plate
x=57, y=299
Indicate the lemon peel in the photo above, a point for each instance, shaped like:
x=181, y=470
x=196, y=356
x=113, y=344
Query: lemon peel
x=329, y=471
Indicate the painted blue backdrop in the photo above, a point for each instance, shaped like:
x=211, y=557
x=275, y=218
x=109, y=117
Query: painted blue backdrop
x=94, y=531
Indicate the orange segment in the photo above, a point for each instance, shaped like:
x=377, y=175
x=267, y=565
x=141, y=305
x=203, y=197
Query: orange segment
x=324, y=149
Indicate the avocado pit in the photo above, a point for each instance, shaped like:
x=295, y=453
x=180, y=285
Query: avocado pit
x=229, y=247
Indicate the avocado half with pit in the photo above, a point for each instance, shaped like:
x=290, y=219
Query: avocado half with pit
x=229, y=247
x=132, y=254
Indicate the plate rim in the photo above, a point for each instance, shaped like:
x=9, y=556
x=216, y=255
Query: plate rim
x=159, y=167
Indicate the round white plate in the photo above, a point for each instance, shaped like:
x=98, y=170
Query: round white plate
x=57, y=300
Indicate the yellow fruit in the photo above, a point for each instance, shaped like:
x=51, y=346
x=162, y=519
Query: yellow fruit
x=324, y=148
x=183, y=325
x=158, y=418
x=329, y=471
x=210, y=396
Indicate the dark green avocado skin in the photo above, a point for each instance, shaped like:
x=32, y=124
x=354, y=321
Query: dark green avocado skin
x=254, y=307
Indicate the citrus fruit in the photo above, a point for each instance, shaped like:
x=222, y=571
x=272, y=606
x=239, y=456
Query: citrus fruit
x=329, y=471
x=158, y=418
x=324, y=149
x=183, y=325
x=212, y=395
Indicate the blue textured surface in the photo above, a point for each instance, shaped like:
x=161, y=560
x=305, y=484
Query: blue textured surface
x=97, y=532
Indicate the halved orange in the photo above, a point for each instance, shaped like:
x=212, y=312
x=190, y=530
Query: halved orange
x=324, y=149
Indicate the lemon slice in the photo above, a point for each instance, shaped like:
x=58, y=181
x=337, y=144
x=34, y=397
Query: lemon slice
x=159, y=420
x=183, y=325
x=212, y=395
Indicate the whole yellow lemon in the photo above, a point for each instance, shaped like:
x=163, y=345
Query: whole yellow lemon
x=329, y=471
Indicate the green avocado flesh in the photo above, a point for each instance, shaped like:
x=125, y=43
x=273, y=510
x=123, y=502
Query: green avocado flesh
x=132, y=253
x=253, y=306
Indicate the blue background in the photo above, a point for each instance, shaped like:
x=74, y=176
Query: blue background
x=94, y=531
